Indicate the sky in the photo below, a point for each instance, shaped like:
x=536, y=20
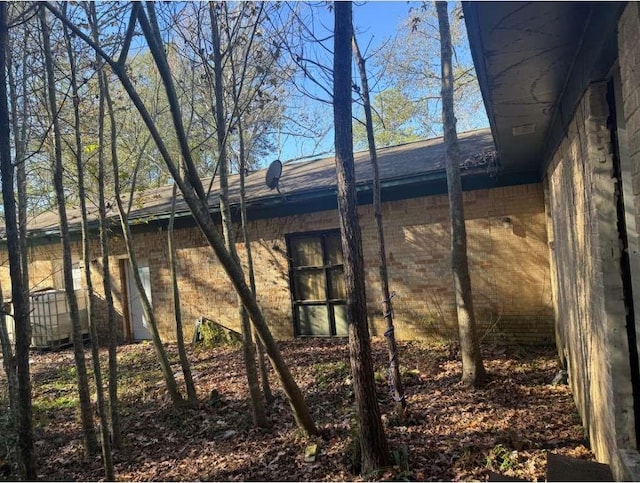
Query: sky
x=374, y=21
x=380, y=19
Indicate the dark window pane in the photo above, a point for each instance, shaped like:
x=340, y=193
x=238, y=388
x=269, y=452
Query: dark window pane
x=336, y=283
x=309, y=285
x=313, y=320
x=334, y=249
x=306, y=252
x=341, y=319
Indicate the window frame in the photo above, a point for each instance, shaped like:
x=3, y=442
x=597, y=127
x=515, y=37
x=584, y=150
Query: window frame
x=328, y=303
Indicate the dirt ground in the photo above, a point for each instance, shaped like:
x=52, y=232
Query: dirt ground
x=451, y=433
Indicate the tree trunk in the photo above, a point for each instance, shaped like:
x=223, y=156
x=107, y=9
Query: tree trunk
x=18, y=289
x=262, y=366
x=373, y=443
x=19, y=134
x=163, y=360
x=19, y=141
x=86, y=414
x=86, y=258
x=192, y=396
x=9, y=363
x=395, y=382
x=248, y=350
x=114, y=415
x=473, y=373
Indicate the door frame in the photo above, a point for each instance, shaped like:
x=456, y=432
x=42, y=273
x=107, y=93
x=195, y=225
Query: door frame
x=125, y=270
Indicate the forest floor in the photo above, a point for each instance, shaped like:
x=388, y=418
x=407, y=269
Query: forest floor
x=452, y=433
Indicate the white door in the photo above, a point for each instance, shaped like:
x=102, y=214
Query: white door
x=139, y=324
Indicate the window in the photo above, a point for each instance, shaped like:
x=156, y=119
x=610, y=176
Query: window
x=76, y=273
x=57, y=277
x=317, y=284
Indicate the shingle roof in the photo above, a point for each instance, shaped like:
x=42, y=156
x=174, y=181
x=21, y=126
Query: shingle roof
x=400, y=163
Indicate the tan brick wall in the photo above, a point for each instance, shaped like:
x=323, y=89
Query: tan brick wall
x=629, y=135
x=45, y=271
x=588, y=286
x=509, y=268
x=629, y=60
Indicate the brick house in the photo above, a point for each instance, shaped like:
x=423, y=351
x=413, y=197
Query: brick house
x=296, y=250
x=561, y=83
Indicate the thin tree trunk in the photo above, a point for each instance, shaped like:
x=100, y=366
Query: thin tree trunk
x=86, y=414
x=163, y=360
x=195, y=197
x=473, y=372
x=237, y=85
x=19, y=135
x=18, y=289
x=192, y=396
x=263, y=368
x=397, y=389
x=373, y=443
x=9, y=363
x=262, y=365
x=248, y=349
x=19, y=141
x=114, y=414
x=86, y=258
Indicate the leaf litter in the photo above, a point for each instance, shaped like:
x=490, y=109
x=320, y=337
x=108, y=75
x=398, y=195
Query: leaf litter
x=450, y=433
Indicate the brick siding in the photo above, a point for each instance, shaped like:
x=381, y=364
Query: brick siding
x=585, y=256
x=507, y=251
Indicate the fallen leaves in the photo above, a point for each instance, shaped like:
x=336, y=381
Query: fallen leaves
x=450, y=433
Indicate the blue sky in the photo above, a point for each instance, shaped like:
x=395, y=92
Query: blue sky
x=380, y=19
x=374, y=22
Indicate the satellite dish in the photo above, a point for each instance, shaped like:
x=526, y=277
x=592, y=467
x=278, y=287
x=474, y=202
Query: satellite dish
x=273, y=174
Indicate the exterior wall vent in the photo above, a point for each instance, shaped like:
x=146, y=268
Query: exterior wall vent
x=523, y=129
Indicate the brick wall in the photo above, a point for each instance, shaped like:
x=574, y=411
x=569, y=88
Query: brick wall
x=628, y=105
x=585, y=257
x=629, y=59
x=507, y=247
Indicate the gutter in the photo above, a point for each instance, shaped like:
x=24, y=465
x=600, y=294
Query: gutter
x=269, y=202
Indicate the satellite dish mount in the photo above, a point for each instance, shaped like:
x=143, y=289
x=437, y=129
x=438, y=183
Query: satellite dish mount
x=272, y=179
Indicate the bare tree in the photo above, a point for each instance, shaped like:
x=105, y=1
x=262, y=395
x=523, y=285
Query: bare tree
x=387, y=309
x=373, y=443
x=262, y=366
x=248, y=94
x=473, y=372
x=163, y=360
x=19, y=124
x=18, y=289
x=86, y=258
x=19, y=135
x=114, y=415
x=248, y=349
x=86, y=415
x=193, y=192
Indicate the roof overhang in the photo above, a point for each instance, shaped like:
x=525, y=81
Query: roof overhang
x=533, y=61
